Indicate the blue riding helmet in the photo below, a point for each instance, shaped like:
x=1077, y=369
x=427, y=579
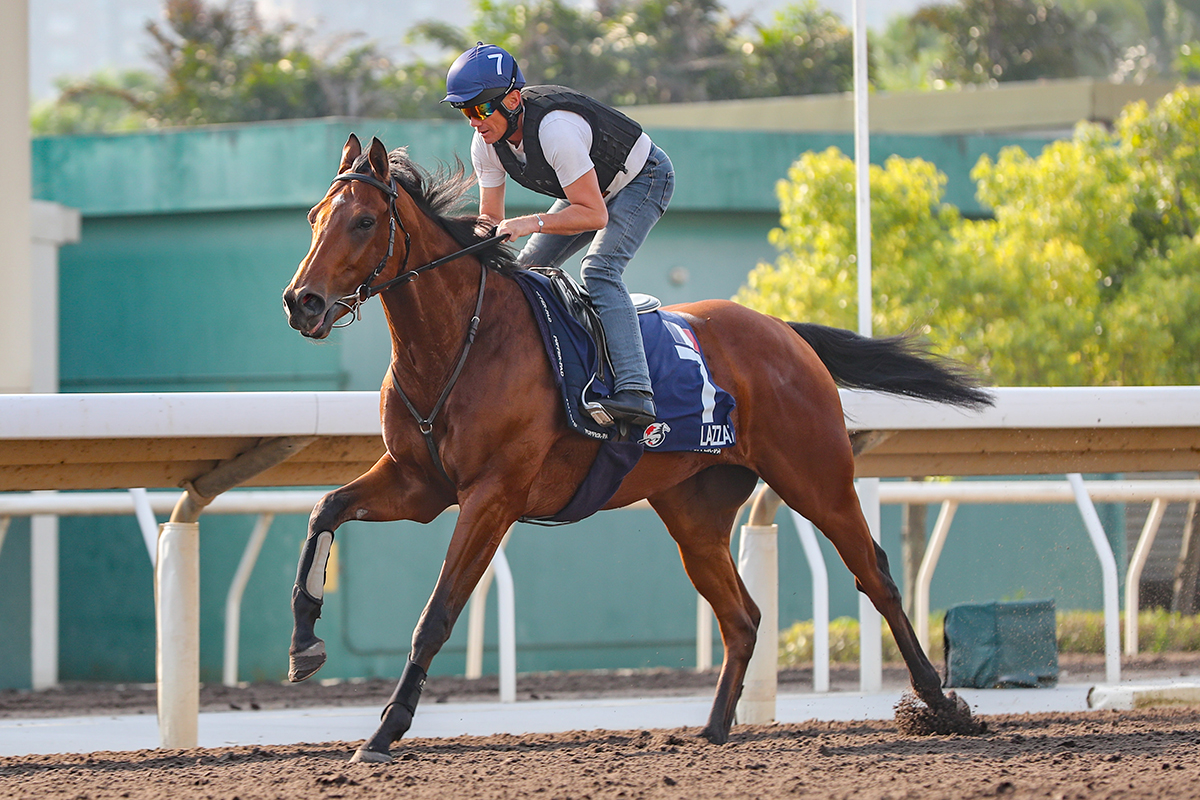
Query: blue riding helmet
x=481, y=74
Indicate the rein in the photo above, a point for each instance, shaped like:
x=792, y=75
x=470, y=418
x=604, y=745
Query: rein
x=353, y=301
x=366, y=291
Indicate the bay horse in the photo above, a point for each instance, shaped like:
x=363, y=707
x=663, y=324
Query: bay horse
x=471, y=415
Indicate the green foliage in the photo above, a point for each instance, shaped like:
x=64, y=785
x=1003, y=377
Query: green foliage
x=992, y=41
x=804, y=50
x=1086, y=275
x=666, y=51
x=1159, y=631
x=796, y=642
x=221, y=63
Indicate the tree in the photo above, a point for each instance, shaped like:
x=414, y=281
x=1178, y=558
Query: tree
x=1086, y=274
x=1014, y=40
x=805, y=50
x=222, y=64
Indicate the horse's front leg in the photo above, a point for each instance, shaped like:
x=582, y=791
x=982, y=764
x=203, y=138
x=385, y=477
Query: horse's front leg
x=378, y=495
x=481, y=527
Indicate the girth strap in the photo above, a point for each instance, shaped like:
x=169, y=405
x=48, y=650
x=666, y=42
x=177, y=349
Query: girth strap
x=425, y=424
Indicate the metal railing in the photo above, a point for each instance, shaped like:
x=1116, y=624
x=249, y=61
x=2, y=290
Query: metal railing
x=761, y=582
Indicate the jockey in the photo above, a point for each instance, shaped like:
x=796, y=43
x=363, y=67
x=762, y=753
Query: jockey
x=611, y=183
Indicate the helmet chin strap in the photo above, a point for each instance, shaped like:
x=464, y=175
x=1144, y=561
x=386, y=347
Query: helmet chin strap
x=512, y=117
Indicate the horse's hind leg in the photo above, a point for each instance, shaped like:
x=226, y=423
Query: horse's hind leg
x=828, y=500
x=700, y=513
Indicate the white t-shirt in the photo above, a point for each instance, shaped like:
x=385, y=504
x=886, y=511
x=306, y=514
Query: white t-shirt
x=566, y=140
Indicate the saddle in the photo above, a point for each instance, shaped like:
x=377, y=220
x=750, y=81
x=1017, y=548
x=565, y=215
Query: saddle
x=578, y=303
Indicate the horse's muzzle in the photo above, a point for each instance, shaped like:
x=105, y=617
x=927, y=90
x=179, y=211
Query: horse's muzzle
x=308, y=312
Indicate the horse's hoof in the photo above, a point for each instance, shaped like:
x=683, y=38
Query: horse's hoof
x=714, y=737
x=952, y=716
x=364, y=756
x=302, y=665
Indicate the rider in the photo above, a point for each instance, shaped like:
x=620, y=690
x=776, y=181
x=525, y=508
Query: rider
x=611, y=181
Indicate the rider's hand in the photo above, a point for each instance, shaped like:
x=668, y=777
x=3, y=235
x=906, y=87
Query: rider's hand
x=518, y=227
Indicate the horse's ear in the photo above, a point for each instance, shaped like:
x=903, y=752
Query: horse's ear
x=351, y=151
x=379, y=159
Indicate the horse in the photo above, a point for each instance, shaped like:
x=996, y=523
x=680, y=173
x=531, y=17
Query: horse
x=471, y=416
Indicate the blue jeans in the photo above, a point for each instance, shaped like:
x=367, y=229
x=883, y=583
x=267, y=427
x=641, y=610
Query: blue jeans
x=631, y=215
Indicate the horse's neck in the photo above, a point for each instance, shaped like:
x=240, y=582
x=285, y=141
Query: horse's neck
x=429, y=316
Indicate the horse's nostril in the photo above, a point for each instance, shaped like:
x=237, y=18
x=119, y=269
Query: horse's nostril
x=313, y=303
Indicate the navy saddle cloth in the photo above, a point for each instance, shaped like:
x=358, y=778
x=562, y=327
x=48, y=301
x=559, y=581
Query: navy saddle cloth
x=693, y=413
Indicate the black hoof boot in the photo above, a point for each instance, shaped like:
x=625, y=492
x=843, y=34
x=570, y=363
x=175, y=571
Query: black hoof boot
x=633, y=406
x=307, y=653
x=397, y=717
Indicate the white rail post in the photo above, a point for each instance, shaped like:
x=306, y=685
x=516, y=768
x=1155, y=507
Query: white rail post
x=758, y=564
x=477, y=623
x=146, y=522
x=1134, y=576
x=933, y=552
x=233, y=599
x=870, y=622
x=820, y=579
x=177, y=594
x=506, y=607
x=43, y=558
x=499, y=570
x=1108, y=571
x=704, y=618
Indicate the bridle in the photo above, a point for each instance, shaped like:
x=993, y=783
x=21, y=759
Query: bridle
x=353, y=301
x=366, y=291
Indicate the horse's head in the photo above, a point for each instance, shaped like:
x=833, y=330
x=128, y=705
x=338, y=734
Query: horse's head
x=350, y=241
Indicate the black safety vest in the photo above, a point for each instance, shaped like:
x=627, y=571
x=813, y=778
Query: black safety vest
x=613, y=136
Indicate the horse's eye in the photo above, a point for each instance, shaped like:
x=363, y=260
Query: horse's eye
x=366, y=223
x=312, y=217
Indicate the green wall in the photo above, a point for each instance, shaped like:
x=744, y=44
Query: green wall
x=188, y=240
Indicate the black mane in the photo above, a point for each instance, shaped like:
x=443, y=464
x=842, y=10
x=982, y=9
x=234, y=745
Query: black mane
x=442, y=195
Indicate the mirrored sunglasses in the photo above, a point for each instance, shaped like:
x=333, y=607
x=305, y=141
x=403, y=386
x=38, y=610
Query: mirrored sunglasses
x=482, y=110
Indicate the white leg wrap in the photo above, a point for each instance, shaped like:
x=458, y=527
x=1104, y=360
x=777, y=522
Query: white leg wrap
x=314, y=584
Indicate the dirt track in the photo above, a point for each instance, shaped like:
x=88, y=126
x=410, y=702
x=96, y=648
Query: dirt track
x=1145, y=754
x=1148, y=754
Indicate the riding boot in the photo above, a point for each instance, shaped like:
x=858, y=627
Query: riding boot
x=307, y=651
x=634, y=406
x=397, y=715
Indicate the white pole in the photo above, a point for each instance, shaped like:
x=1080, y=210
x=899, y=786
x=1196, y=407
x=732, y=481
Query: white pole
x=758, y=564
x=862, y=169
x=1108, y=571
x=146, y=521
x=820, y=599
x=506, y=605
x=477, y=622
x=177, y=608
x=233, y=600
x=870, y=629
x=43, y=558
x=21, y=297
x=933, y=551
x=704, y=618
x=870, y=623
x=1134, y=576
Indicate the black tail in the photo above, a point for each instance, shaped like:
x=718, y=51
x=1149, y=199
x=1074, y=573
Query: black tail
x=894, y=364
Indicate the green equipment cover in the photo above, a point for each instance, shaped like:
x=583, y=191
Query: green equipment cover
x=998, y=645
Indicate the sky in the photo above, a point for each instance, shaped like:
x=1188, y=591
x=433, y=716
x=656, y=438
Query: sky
x=75, y=38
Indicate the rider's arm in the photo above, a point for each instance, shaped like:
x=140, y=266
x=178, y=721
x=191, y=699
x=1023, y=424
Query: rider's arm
x=491, y=206
x=586, y=212
x=566, y=140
